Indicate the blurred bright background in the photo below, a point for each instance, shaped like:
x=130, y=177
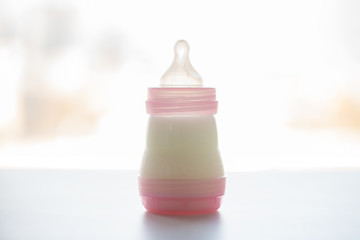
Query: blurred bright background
x=74, y=76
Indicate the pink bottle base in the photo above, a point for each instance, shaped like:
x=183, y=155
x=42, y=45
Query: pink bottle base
x=182, y=206
x=182, y=197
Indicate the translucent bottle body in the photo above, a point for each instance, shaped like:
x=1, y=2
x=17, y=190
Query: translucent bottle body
x=181, y=171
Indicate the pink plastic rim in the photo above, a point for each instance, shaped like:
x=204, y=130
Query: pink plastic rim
x=181, y=101
x=182, y=197
x=181, y=206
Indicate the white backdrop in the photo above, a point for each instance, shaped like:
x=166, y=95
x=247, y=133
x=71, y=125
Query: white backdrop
x=274, y=64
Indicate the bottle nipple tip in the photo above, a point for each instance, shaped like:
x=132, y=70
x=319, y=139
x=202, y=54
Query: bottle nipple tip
x=181, y=49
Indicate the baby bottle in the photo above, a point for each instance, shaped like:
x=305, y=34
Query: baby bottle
x=181, y=170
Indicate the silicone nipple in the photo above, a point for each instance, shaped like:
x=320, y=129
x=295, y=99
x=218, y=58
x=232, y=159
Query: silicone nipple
x=181, y=73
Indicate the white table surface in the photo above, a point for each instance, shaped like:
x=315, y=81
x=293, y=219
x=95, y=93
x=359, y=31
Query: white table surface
x=83, y=204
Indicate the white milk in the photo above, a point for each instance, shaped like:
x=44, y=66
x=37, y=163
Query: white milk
x=181, y=148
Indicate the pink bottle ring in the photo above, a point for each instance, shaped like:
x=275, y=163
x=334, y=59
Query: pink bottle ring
x=182, y=196
x=181, y=101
